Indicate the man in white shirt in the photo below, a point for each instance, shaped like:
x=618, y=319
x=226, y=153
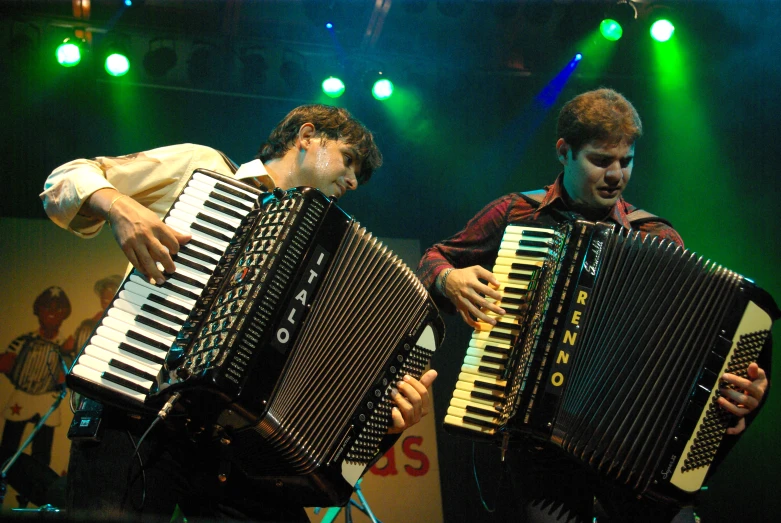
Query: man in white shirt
x=316, y=145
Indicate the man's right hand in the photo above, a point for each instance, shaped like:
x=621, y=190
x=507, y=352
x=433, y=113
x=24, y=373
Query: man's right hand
x=471, y=296
x=140, y=233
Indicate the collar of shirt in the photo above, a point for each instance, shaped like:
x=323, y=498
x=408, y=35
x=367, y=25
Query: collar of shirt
x=555, y=196
x=255, y=169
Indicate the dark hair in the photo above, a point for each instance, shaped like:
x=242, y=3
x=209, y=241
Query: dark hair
x=53, y=295
x=330, y=122
x=603, y=115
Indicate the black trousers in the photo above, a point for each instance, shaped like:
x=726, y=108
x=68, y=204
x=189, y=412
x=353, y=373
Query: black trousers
x=108, y=481
x=545, y=487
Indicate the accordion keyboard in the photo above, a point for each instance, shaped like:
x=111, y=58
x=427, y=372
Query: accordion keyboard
x=479, y=396
x=129, y=346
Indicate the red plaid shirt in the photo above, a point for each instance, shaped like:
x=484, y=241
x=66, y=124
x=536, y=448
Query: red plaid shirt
x=478, y=242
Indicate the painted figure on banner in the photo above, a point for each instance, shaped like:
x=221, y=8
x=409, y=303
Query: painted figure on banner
x=33, y=362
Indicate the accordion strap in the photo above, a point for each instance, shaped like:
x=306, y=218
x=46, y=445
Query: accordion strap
x=637, y=216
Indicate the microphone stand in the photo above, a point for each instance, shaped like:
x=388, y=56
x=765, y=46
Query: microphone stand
x=363, y=506
x=10, y=461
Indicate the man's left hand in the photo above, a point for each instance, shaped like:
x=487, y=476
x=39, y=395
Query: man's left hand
x=412, y=400
x=745, y=396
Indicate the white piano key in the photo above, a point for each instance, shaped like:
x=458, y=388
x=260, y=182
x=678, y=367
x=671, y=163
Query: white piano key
x=183, y=226
x=94, y=376
x=108, y=355
x=211, y=181
x=135, y=310
x=168, y=293
x=122, y=318
x=146, y=290
x=110, y=341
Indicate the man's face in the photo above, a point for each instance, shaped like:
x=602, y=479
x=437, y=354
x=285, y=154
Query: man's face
x=331, y=166
x=598, y=175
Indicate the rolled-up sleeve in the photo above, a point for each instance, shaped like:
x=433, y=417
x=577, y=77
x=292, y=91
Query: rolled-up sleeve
x=152, y=178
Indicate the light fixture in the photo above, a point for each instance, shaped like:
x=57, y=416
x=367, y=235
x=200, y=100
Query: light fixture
x=202, y=65
x=333, y=87
x=160, y=58
x=253, y=67
x=69, y=52
x=295, y=73
x=618, y=19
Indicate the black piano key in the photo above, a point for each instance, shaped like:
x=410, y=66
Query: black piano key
x=483, y=395
x=538, y=234
x=205, y=246
x=186, y=279
x=210, y=232
x=533, y=243
x=161, y=314
x=490, y=370
x=230, y=201
x=235, y=192
x=481, y=411
x=124, y=382
x=493, y=359
x=479, y=422
x=215, y=221
x=141, y=353
x=489, y=386
x=133, y=335
x=505, y=325
x=512, y=301
x=193, y=265
x=168, y=303
x=519, y=277
x=521, y=266
x=501, y=335
x=496, y=350
x=223, y=209
x=529, y=252
x=131, y=370
x=514, y=290
x=156, y=325
x=198, y=255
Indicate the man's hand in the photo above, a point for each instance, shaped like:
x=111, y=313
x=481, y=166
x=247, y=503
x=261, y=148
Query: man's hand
x=413, y=401
x=141, y=235
x=465, y=288
x=746, y=398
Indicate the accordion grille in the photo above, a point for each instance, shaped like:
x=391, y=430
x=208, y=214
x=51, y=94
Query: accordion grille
x=369, y=301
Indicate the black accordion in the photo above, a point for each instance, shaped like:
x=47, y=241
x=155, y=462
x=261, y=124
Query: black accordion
x=611, y=352
x=285, y=326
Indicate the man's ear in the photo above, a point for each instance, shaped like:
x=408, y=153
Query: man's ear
x=305, y=134
x=562, y=148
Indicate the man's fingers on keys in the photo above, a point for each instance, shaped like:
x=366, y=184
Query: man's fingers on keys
x=148, y=266
x=161, y=254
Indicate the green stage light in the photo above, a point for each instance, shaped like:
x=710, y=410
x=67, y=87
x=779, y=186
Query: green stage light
x=382, y=89
x=68, y=53
x=662, y=30
x=611, y=29
x=117, y=64
x=333, y=87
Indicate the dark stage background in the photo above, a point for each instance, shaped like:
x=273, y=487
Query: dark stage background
x=465, y=128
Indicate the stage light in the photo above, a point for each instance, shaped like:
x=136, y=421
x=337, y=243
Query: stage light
x=329, y=25
x=116, y=64
x=202, y=65
x=294, y=73
x=382, y=89
x=254, y=67
x=69, y=53
x=333, y=87
x=617, y=19
x=578, y=57
x=611, y=29
x=160, y=58
x=662, y=30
